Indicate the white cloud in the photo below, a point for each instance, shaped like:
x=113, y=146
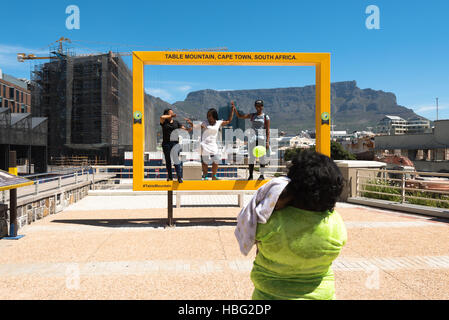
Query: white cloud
x=171, y=92
x=160, y=93
x=430, y=108
x=184, y=88
x=7, y=49
x=9, y=63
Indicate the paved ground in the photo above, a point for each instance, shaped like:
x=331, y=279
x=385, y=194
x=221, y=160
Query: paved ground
x=118, y=248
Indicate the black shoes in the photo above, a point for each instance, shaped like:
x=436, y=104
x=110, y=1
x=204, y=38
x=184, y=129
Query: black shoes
x=179, y=179
x=250, y=178
x=261, y=177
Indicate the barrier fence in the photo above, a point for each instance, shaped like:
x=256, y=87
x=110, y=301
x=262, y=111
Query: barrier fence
x=411, y=187
x=122, y=175
x=48, y=181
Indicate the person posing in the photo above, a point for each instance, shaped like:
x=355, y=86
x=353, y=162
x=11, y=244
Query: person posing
x=169, y=125
x=260, y=123
x=209, y=146
x=303, y=235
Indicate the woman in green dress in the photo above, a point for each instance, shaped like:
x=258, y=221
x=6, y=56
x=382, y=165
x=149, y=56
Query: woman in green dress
x=303, y=235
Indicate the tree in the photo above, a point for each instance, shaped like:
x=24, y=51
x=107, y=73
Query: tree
x=339, y=153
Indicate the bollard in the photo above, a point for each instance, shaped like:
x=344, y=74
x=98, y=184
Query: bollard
x=170, y=208
x=13, y=199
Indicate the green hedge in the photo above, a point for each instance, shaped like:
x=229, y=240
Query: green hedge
x=381, y=186
x=433, y=199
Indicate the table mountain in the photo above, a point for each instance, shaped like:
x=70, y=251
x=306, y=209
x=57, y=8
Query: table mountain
x=293, y=109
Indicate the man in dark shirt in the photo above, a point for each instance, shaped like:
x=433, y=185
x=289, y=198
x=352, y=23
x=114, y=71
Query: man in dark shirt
x=168, y=125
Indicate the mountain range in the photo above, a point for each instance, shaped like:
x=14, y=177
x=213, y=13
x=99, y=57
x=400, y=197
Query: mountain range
x=293, y=109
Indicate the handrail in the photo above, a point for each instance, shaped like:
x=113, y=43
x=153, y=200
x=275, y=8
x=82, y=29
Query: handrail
x=425, y=173
x=384, y=184
x=78, y=179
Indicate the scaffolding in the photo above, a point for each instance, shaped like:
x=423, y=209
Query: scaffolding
x=88, y=102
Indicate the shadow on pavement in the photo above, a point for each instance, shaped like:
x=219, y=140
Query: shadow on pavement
x=209, y=205
x=152, y=223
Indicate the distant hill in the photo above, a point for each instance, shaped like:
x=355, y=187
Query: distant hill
x=293, y=109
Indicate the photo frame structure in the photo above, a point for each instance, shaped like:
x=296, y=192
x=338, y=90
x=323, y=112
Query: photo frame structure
x=321, y=62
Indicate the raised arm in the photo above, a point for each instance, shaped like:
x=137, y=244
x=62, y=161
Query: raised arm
x=192, y=125
x=186, y=129
x=226, y=122
x=240, y=116
x=166, y=117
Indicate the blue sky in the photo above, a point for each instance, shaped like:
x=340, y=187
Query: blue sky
x=407, y=56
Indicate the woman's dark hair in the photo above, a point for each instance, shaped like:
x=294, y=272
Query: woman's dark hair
x=213, y=112
x=166, y=111
x=316, y=182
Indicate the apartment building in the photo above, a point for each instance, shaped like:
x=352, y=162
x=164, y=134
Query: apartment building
x=394, y=125
x=14, y=94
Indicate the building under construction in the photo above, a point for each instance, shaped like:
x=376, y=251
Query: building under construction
x=88, y=102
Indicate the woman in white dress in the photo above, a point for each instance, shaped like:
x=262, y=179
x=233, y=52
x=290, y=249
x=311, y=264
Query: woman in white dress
x=209, y=146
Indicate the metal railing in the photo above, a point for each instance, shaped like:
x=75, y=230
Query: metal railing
x=123, y=175
x=41, y=184
x=412, y=187
x=113, y=177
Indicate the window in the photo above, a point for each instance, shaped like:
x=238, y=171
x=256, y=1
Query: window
x=22, y=108
x=17, y=95
x=4, y=91
x=11, y=93
x=12, y=105
x=6, y=103
x=21, y=97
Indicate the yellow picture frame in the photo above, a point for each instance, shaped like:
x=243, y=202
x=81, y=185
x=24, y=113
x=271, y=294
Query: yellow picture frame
x=321, y=62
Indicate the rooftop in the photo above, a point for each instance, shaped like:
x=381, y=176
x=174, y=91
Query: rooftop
x=394, y=118
x=14, y=80
x=122, y=250
x=17, y=117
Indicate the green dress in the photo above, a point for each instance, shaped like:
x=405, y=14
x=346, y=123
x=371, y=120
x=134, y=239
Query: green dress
x=296, y=250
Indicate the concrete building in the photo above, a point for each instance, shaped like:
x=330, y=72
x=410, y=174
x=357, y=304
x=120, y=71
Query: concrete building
x=301, y=142
x=88, y=103
x=428, y=151
x=418, y=125
x=394, y=125
x=27, y=136
x=14, y=94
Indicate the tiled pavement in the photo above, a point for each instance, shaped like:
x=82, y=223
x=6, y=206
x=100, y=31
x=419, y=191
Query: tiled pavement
x=118, y=248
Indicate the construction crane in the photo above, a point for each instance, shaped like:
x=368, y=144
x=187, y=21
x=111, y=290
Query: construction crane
x=21, y=57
